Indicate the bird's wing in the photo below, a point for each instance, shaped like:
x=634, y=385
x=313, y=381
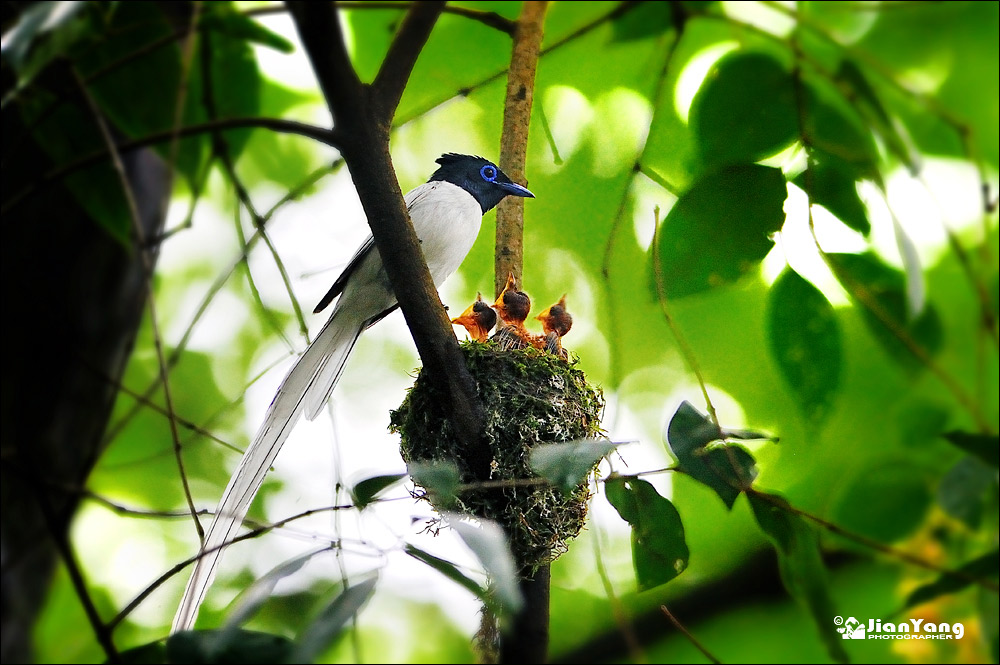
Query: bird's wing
x=367, y=246
x=338, y=286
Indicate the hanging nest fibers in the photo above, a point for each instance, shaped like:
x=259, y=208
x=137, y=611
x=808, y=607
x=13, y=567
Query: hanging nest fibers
x=529, y=397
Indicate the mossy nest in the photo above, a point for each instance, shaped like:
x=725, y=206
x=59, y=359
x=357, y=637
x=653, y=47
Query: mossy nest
x=529, y=397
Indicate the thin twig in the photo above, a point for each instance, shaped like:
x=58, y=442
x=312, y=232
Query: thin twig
x=147, y=266
x=870, y=543
x=686, y=351
x=320, y=134
x=216, y=287
x=625, y=625
x=616, y=225
x=222, y=150
x=691, y=638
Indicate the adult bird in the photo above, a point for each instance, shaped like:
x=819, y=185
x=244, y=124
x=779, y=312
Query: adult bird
x=446, y=213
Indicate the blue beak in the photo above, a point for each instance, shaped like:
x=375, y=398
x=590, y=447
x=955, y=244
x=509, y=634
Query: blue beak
x=515, y=189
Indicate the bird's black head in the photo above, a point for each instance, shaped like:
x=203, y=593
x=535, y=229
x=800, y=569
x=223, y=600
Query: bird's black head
x=480, y=177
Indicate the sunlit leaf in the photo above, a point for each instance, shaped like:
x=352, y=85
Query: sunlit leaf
x=659, y=550
x=833, y=128
x=801, y=564
x=865, y=274
x=720, y=229
x=853, y=76
x=368, y=489
x=248, y=602
x=915, y=288
x=984, y=446
x=984, y=567
x=727, y=469
x=449, y=570
x=324, y=629
x=804, y=338
x=440, y=479
x=489, y=543
x=566, y=465
x=43, y=32
x=745, y=110
x=831, y=183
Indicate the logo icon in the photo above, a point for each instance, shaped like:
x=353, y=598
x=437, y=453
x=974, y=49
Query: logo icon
x=852, y=629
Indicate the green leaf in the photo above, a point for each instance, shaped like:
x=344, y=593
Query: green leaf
x=440, y=479
x=720, y=229
x=449, y=570
x=833, y=128
x=984, y=446
x=800, y=563
x=153, y=653
x=831, y=183
x=886, y=502
x=962, y=492
x=805, y=341
x=886, y=286
x=566, y=465
x=226, y=19
x=325, y=628
x=986, y=566
x=659, y=550
x=868, y=102
x=989, y=618
x=489, y=543
x=745, y=110
x=251, y=599
x=43, y=32
x=727, y=469
x=368, y=489
x=645, y=20
x=199, y=646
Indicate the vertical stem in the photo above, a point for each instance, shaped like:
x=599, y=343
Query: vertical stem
x=509, y=255
x=527, y=639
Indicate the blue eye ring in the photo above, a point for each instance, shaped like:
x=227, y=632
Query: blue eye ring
x=489, y=173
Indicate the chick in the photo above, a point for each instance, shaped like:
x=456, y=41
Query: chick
x=512, y=306
x=478, y=320
x=556, y=322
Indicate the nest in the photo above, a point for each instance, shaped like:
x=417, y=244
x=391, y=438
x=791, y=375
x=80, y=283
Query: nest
x=529, y=397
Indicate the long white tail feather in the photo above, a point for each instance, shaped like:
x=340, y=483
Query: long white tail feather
x=446, y=218
x=313, y=376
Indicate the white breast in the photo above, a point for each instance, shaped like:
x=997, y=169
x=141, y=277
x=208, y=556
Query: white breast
x=447, y=220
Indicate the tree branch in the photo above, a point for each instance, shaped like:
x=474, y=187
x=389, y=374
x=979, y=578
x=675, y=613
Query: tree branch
x=395, y=70
x=319, y=27
x=365, y=148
